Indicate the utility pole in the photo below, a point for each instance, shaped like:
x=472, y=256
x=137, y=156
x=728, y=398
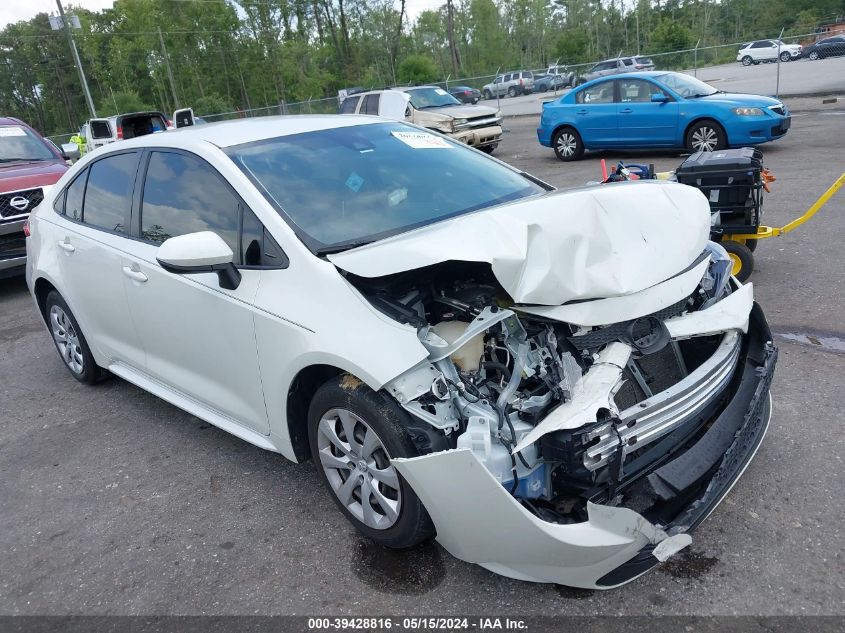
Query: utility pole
x=451, y=27
x=169, y=70
x=76, y=59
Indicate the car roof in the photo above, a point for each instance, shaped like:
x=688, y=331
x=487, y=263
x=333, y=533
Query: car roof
x=237, y=132
x=8, y=120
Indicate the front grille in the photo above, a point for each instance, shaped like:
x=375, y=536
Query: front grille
x=483, y=121
x=12, y=203
x=778, y=109
x=665, y=411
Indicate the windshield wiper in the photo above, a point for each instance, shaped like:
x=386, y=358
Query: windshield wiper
x=21, y=159
x=701, y=94
x=339, y=248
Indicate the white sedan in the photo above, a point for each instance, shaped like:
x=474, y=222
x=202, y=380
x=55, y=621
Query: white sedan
x=558, y=385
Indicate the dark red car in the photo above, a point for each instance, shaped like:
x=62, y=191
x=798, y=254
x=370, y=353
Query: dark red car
x=29, y=163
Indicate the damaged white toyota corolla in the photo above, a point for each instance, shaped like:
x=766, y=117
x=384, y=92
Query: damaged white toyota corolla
x=559, y=385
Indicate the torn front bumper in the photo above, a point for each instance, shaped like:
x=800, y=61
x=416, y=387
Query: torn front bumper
x=478, y=521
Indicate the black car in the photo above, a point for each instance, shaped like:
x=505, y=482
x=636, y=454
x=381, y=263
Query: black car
x=828, y=47
x=465, y=94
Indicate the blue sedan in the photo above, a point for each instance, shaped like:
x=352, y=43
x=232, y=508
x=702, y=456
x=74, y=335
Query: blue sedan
x=657, y=109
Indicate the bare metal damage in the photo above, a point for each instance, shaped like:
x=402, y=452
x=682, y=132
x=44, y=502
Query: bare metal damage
x=479, y=522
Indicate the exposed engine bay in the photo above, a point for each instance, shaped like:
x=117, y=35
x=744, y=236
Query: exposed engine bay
x=560, y=414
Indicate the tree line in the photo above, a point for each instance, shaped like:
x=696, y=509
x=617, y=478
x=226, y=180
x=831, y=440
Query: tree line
x=228, y=55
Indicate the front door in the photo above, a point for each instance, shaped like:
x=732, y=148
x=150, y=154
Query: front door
x=641, y=121
x=199, y=337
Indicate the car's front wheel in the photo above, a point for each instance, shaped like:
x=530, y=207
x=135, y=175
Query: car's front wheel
x=706, y=136
x=746, y=61
x=70, y=343
x=568, y=144
x=354, y=432
x=511, y=91
x=488, y=95
x=813, y=56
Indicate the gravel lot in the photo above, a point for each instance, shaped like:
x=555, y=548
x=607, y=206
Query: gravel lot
x=114, y=502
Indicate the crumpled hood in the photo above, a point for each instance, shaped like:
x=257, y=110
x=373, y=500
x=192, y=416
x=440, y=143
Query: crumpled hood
x=590, y=243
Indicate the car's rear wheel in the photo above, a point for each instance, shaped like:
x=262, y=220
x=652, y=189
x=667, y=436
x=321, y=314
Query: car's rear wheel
x=785, y=56
x=746, y=61
x=706, y=136
x=568, y=144
x=69, y=341
x=354, y=432
x=814, y=55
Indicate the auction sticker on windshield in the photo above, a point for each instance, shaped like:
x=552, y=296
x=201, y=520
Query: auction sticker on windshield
x=12, y=130
x=420, y=140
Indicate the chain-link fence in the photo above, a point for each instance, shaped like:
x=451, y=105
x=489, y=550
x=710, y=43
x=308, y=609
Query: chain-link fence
x=769, y=69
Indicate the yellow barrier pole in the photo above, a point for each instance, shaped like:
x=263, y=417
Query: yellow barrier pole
x=818, y=204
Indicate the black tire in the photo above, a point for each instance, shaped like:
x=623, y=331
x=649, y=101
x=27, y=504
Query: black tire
x=512, y=91
x=388, y=421
x=742, y=257
x=814, y=55
x=488, y=95
x=747, y=61
x=75, y=354
x=567, y=144
x=785, y=56
x=488, y=149
x=751, y=244
x=756, y=63
x=706, y=135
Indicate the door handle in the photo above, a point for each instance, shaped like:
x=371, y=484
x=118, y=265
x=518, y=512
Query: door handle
x=66, y=246
x=134, y=275
x=626, y=111
x=581, y=112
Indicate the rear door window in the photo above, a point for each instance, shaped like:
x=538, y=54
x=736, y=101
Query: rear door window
x=370, y=105
x=108, y=196
x=600, y=93
x=73, y=197
x=100, y=129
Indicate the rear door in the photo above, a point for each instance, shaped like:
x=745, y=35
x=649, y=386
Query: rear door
x=641, y=122
x=90, y=240
x=102, y=132
x=183, y=118
x=595, y=115
x=199, y=338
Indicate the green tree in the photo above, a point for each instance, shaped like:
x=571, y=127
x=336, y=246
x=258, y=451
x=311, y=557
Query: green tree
x=121, y=103
x=415, y=70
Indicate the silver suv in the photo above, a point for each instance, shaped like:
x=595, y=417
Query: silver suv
x=517, y=82
x=619, y=65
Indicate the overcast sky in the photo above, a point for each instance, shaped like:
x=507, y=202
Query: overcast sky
x=15, y=10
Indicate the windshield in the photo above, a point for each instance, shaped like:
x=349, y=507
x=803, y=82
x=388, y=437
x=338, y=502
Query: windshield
x=431, y=98
x=347, y=186
x=18, y=143
x=685, y=85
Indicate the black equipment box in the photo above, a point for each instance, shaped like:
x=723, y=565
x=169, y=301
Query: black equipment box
x=732, y=180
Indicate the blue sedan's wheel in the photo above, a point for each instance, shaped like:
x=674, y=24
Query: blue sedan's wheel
x=705, y=136
x=568, y=145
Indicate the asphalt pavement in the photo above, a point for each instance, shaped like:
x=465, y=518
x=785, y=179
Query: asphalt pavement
x=799, y=78
x=115, y=502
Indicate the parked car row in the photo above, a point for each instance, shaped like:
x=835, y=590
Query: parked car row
x=768, y=51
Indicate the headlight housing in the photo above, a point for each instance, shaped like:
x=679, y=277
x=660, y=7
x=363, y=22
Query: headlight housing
x=457, y=124
x=748, y=111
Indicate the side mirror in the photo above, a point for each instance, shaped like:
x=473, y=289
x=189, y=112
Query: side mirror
x=70, y=151
x=202, y=252
x=659, y=98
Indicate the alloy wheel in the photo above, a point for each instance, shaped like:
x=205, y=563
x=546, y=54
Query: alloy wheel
x=705, y=139
x=567, y=144
x=358, y=468
x=66, y=339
